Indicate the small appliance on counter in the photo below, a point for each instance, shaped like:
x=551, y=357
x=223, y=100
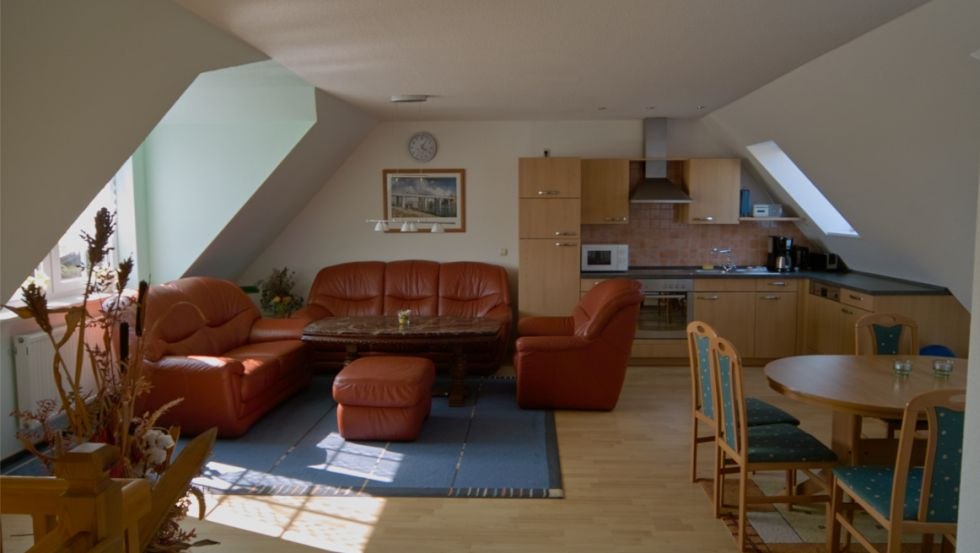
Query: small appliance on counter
x=779, y=258
x=605, y=257
x=826, y=262
x=800, y=256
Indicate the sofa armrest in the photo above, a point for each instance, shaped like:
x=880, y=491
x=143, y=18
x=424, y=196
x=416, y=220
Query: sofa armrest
x=545, y=326
x=310, y=313
x=550, y=343
x=271, y=330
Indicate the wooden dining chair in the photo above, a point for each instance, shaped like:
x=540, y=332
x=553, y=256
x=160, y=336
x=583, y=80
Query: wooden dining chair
x=886, y=334
x=908, y=498
x=746, y=450
x=699, y=336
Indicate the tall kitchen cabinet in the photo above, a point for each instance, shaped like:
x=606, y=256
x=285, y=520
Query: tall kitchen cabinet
x=713, y=185
x=605, y=191
x=550, y=213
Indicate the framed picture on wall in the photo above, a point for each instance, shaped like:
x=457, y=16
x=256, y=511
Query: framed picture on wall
x=425, y=198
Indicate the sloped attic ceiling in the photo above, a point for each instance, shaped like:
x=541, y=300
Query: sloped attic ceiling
x=887, y=126
x=72, y=115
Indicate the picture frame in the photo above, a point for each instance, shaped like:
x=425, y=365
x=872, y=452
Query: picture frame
x=425, y=197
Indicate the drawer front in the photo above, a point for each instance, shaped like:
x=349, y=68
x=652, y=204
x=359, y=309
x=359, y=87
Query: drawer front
x=857, y=299
x=724, y=285
x=776, y=284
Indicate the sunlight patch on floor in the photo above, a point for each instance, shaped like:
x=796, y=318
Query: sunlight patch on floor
x=343, y=526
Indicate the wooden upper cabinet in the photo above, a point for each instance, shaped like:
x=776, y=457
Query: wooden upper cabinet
x=558, y=218
x=550, y=177
x=714, y=188
x=605, y=191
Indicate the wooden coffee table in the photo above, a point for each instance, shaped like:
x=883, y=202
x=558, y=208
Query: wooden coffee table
x=421, y=334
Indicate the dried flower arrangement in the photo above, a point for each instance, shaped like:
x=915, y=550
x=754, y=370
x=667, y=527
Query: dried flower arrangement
x=277, y=297
x=106, y=413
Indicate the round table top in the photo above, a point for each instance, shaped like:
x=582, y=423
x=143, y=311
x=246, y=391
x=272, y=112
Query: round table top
x=859, y=384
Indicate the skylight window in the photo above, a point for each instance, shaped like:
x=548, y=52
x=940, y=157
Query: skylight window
x=788, y=176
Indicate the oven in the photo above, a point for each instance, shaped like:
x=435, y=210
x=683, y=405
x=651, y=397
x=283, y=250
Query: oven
x=667, y=308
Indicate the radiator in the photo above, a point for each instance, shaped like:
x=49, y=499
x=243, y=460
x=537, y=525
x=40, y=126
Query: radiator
x=33, y=355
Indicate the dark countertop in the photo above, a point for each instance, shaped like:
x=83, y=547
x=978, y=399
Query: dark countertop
x=861, y=282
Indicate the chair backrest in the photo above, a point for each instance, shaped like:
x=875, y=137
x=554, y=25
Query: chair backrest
x=730, y=419
x=939, y=477
x=886, y=334
x=699, y=336
x=603, y=302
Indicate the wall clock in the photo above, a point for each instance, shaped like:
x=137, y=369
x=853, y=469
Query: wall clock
x=422, y=146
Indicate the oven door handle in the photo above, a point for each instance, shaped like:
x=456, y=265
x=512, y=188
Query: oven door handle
x=649, y=300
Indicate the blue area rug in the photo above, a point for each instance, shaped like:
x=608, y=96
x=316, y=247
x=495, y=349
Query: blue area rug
x=487, y=448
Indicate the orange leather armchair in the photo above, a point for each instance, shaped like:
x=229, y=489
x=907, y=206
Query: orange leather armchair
x=579, y=362
x=205, y=342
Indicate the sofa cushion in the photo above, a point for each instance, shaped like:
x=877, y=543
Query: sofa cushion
x=472, y=289
x=411, y=285
x=350, y=289
x=292, y=353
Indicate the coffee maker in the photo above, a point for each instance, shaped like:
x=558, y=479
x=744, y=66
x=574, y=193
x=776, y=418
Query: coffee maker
x=780, y=258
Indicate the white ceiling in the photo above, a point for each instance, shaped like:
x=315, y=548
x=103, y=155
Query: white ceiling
x=545, y=59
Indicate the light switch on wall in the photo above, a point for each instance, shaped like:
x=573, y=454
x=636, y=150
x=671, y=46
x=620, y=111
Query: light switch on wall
x=503, y=251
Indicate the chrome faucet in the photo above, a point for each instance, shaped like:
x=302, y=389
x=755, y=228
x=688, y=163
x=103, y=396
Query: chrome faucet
x=729, y=264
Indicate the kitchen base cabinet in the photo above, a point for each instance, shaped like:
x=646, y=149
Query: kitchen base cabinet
x=775, y=324
x=731, y=314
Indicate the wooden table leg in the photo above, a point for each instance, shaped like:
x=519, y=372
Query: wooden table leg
x=846, y=437
x=351, y=354
x=457, y=373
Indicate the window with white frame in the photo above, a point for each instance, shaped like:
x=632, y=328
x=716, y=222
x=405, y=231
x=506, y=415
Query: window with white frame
x=806, y=195
x=62, y=271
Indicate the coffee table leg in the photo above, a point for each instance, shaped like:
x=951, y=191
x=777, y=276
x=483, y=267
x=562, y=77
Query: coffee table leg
x=457, y=373
x=351, y=354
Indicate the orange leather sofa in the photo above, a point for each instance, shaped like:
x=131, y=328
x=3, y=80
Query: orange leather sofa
x=579, y=362
x=205, y=341
x=460, y=288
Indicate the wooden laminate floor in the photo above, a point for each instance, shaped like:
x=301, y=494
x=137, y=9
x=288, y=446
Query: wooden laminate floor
x=625, y=476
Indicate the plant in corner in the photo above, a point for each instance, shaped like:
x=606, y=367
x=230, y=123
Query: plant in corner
x=106, y=412
x=276, y=293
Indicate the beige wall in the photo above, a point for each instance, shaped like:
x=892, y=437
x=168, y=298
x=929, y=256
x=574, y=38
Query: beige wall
x=331, y=229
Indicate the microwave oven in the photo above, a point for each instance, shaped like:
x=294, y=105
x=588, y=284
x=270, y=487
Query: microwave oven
x=605, y=257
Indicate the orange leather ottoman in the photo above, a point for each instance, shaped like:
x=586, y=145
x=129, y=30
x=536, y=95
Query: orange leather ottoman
x=383, y=398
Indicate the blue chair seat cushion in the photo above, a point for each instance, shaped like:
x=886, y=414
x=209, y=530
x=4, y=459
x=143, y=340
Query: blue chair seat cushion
x=874, y=486
x=758, y=413
x=778, y=443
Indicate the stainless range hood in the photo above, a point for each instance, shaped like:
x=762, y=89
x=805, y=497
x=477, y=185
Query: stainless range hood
x=656, y=188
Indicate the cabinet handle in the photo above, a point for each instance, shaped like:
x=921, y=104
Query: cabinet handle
x=855, y=298
x=709, y=298
x=770, y=297
x=777, y=283
x=616, y=219
x=708, y=219
x=548, y=192
x=846, y=311
x=566, y=244
x=565, y=233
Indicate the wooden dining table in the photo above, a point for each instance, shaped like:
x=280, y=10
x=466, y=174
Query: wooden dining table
x=856, y=386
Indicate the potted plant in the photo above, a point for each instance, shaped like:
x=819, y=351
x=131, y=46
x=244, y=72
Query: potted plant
x=276, y=294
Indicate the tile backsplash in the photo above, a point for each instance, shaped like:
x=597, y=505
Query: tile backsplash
x=656, y=238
